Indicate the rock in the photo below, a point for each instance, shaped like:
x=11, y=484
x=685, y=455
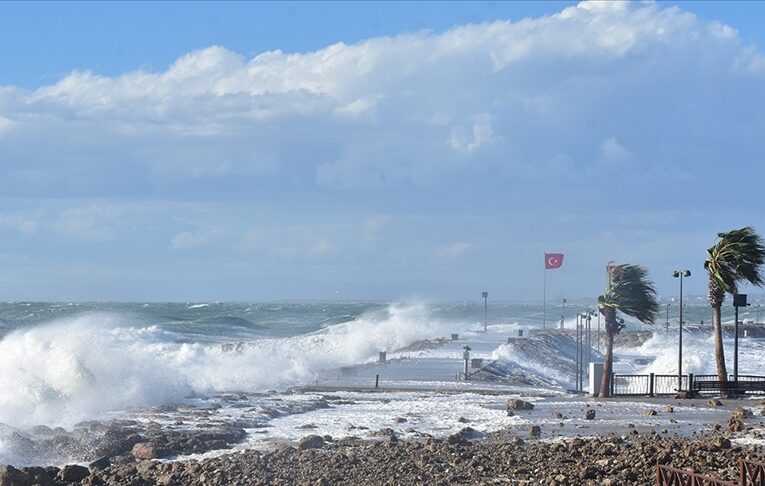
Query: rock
x=518, y=404
x=741, y=413
x=148, y=451
x=73, y=473
x=100, y=463
x=510, y=413
x=721, y=442
x=735, y=425
x=311, y=442
x=648, y=412
x=713, y=402
x=589, y=414
x=535, y=431
x=10, y=476
x=39, y=476
x=465, y=435
x=669, y=409
x=558, y=415
x=516, y=441
x=401, y=420
x=463, y=420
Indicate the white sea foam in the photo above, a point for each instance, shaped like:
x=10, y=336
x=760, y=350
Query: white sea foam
x=79, y=368
x=698, y=354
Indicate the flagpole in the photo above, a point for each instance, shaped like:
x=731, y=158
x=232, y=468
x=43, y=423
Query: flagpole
x=544, y=297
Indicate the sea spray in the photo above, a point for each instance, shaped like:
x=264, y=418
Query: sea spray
x=81, y=367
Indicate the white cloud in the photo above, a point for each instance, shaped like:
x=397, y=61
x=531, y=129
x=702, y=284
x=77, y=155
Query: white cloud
x=478, y=134
x=468, y=119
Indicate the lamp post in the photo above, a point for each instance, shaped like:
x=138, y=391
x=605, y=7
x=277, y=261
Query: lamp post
x=680, y=274
x=581, y=350
x=466, y=357
x=739, y=300
x=598, y=331
x=668, y=304
x=590, y=313
x=576, y=374
x=485, y=296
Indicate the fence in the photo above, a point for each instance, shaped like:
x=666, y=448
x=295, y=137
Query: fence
x=750, y=474
x=650, y=384
x=653, y=385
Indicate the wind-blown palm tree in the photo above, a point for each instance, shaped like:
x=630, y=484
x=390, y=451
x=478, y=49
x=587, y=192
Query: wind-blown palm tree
x=736, y=257
x=630, y=292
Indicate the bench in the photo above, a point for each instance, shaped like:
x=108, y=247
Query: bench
x=741, y=386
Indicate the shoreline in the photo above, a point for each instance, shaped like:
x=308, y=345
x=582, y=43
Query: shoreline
x=458, y=459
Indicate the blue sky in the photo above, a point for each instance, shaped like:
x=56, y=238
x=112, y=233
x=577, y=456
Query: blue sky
x=268, y=151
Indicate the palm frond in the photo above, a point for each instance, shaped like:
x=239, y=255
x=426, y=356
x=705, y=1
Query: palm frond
x=737, y=256
x=630, y=292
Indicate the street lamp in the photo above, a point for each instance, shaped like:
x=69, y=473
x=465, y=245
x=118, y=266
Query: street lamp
x=466, y=357
x=668, y=304
x=485, y=296
x=739, y=300
x=580, y=349
x=680, y=274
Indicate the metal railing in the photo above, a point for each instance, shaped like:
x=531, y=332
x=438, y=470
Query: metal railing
x=653, y=385
x=670, y=476
x=646, y=385
x=750, y=473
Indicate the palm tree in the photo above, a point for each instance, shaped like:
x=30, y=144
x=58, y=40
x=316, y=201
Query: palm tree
x=736, y=257
x=630, y=292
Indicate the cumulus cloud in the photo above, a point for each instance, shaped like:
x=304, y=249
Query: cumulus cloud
x=604, y=104
x=389, y=111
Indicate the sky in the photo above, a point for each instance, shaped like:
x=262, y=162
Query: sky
x=372, y=151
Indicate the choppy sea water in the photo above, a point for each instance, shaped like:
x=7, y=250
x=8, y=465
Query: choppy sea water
x=63, y=363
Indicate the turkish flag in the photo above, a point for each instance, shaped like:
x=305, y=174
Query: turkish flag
x=553, y=260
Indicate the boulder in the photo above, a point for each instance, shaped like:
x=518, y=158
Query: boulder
x=741, y=413
x=10, y=476
x=669, y=409
x=721, y=442
x=518, y=404
x=713, y=402
x=648, y=412
x=535, y=431
x=100, y=463
x=735, y=425
x=311, y=442
x=589, y=414
x=465, y=435
x=148, y=451
x=73, y=473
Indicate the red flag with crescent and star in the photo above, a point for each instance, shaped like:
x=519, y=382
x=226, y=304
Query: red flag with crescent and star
x=553, y=260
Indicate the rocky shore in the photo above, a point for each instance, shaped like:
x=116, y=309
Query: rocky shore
x=458, y=459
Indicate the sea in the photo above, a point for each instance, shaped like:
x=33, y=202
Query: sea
x=274, y=365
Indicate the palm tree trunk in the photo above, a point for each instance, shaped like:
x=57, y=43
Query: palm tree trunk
x=608, y=366
x=722, y=372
